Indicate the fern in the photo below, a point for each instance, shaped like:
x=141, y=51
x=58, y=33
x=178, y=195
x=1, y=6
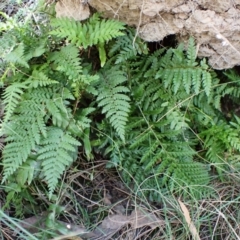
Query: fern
x=164, y=123
x=89, y=34
x=67, y=61
x=16, y=151
x=27, y=132
x=127, y=47
x=17, y=56
x=175, y=102
x=23, y=130
x=11, y=98
x=113, y=99
x=55, y=155
x=94, y=32
x=39, y=79
x=177, y=71
x=218, y=140
x=44, y=116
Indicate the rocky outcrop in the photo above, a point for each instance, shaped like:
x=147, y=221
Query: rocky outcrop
x=214, y=24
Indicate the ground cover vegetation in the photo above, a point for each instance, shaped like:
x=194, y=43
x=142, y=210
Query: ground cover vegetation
x=73, y=93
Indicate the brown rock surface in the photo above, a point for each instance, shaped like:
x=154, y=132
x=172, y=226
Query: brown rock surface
x=214, y=24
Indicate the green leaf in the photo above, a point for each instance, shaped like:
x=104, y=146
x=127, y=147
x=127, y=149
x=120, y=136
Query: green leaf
x=102, y=54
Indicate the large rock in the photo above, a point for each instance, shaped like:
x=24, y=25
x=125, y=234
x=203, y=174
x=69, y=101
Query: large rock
x=214, y=24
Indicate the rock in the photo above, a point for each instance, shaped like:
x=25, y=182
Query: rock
x=202, y=19
x=76, y=9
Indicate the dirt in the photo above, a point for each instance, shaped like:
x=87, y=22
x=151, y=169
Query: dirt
x=214, y=24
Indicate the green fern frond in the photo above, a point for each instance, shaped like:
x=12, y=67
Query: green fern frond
x=113, y=100
x=207, y=82
x=67, y=61
x=140, y=139
x=150, y=154
x=55, y=154
x=11, y=98
x=37, y=50
x=88, y=34
x=20, y=143
x=127, y=47
x=196, y=81
x=82, y=117
x=17, y=56
x=39, y=79
x=152, y=64
x=179, y=72
x=8, y=43
x=191, y=53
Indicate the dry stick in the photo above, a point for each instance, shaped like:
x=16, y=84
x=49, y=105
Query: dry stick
x=107, y=6
x=139, y=23
x=116, y=13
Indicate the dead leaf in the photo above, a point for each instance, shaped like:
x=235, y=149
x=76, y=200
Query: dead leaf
x=32, y=224
x=141, y=218
x=119, y=209
x=187, y=217
x=109, y=226
x=115, y=221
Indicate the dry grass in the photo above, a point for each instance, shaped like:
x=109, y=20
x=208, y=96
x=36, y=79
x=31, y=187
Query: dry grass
x=90, y=195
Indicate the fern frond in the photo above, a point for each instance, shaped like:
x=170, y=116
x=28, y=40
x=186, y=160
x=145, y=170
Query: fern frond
x=36, y=50
x=8, y=43
x=83, y=121
x=55, y=154
x=39, y=79
x=127, y=47
x=67, y=61
x=179, y=72
x=17, y=56
x=207, y=82
x=11, y=98
x=191, y=53
x=112, y=99
x=88, y=34
x=17, y=150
